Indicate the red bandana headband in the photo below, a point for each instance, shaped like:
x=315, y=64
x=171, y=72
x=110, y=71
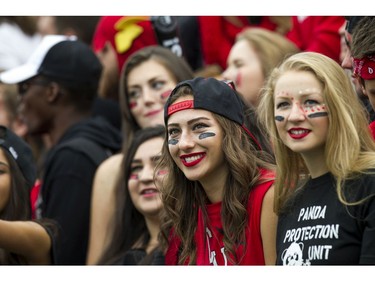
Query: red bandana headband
x=365, y=67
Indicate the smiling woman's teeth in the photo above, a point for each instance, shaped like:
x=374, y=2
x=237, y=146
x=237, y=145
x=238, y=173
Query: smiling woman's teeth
x=193, y=158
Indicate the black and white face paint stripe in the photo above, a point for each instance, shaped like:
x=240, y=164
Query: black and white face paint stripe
x=206, y=135
x=201, y=136
x=172, y=141
x=279, y=118
x=317, y=114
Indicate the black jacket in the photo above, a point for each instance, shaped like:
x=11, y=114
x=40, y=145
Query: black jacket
x=67, y=184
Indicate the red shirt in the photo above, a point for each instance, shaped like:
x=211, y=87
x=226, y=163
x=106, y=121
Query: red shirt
x=219, y=34
x=33, y=197
x=209, y=241
x=317, y=34
x=372, y=129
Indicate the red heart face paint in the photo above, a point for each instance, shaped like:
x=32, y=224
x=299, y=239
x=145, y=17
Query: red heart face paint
x=238, y=79
x=162, y=172
x=133, y=177
x=132, y=104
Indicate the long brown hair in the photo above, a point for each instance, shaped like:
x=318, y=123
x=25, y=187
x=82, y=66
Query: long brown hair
x=182, y=198
x=129, y=224
x=176, y=66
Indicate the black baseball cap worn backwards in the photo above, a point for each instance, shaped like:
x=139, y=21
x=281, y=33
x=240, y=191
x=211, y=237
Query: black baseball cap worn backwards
x=20, y=151
x=60, y=57
x=211, y=94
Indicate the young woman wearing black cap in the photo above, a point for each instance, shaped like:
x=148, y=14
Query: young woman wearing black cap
x=22, y=241
x=218, y=194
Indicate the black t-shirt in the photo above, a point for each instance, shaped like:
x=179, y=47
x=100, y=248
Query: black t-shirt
x=319, y=230
x=135, y=257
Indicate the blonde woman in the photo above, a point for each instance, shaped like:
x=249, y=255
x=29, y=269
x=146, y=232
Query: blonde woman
x=252, y=58
x=325, y=156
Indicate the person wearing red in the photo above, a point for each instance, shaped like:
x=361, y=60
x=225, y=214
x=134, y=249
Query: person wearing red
x=363, y=53
x=114, y=40
x=317, y=34
x=218, y=34
x=218, y=194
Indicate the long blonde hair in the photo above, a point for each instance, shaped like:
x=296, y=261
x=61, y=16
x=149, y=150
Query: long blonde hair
x=349, y=147
x=271, y=47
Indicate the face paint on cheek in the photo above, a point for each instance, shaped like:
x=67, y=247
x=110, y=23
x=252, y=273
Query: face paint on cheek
x=133, y=177
x=172, y=141
x=166, y=94
x=279, y=118
x=317, y=114
x=238, y=79
x=206, y=135
x=316, y=111
x=162, y=172
x=132, y=104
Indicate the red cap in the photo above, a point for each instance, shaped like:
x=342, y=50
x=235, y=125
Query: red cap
x=126, y=34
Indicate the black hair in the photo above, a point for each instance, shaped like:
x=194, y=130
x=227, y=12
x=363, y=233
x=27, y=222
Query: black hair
x=352, y=22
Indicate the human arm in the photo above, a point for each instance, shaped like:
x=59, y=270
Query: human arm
x=268, y=227
x=26, y=238
x=102, y=206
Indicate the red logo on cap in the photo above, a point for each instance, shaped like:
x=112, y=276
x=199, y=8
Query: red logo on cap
x=186, y=104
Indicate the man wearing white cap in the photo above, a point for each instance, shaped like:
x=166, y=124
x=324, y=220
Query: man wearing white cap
x=57, y=86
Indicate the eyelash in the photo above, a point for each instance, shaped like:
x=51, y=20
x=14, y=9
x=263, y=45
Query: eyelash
x=307, y=103
x=157, y=84
x=134, y=94
x=281, y=104
x=200, y=125
x=172, y=131
x=311, y=102
x=135, y=169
